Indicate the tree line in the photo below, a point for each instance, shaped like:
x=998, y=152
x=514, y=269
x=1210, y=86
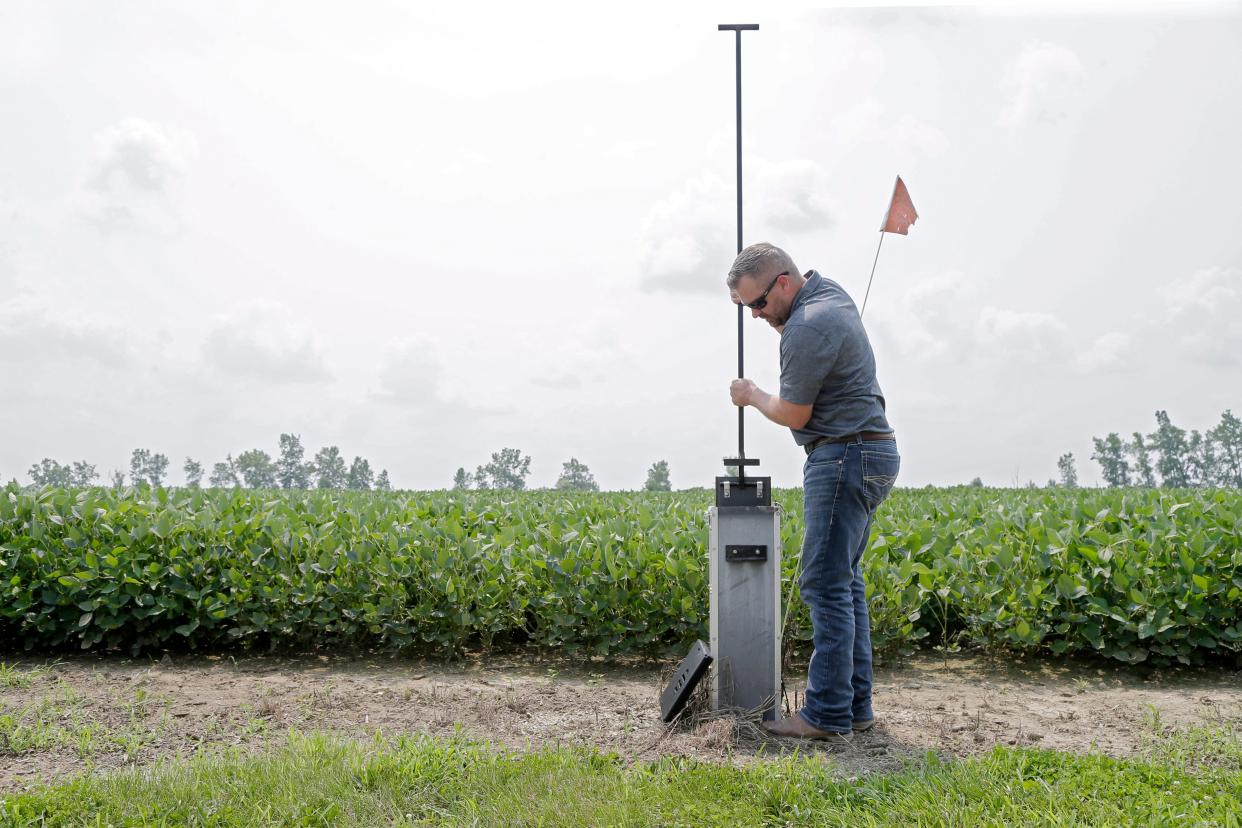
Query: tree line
x=509, y=468
x=1169, y=456
x=253, y=469
x=256, y=469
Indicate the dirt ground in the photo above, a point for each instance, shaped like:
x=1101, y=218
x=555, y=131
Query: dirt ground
x=66, y=716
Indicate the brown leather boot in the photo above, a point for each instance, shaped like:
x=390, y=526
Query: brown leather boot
x=796, y=727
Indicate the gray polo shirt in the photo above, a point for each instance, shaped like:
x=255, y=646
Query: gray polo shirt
x=826, y=362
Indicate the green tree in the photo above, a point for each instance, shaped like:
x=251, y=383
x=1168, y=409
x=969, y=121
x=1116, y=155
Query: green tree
x=83, y=473
x=657, y=477
x=1201, y=459
x=48, y=472
x=508, y=469
x=256, y=469
x=147, y=467
x=1172, y=452
x=118, y=479
x=1110, y=453
x=193, y=473
x=576, y=477
x=1228, y=438
x=1065, y=467
x=224, y=474
x=1144, y=474
x=330, y=472
x=382, y=483
x=138, y=462
x=977, y=483
x=292, y=471
x=461, y=480
x=157, y=468
x=360, y=475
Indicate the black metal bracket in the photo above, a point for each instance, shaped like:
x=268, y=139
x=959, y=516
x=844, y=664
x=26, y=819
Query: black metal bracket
x=737, y=553
x=749, y=491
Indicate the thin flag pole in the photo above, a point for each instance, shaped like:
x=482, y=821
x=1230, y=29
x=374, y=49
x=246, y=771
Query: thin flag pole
x=877, y=258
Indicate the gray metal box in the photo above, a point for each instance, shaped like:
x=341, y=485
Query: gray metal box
x=745, y=571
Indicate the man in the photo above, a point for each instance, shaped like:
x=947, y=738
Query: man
x=830, y=400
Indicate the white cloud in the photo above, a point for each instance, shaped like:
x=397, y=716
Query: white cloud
x=906, y=137
x=928, y=321
x=1026, y=337
x=136, y=177
x=1205, y=315
x=1041, y=82
x=581, y=358
x=33, y=330
x=688, y=240
x=1105, y=353
x=409, y=373
x=936, y=321
x=265, y=340
x=790, y=196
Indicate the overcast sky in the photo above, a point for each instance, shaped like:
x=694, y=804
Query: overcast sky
x=426, y=233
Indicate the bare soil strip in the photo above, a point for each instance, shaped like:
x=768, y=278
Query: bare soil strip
x=72, y=715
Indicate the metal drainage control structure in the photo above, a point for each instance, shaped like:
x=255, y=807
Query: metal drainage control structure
x=745, y=576
x=745, y=561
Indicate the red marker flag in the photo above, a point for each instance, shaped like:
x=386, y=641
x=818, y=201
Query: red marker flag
x=901, y=213
x=900, y=216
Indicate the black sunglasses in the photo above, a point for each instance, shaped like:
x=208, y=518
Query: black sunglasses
x=762, y=301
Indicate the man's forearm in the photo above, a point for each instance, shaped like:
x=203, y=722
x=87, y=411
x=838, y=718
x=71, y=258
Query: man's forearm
x=776, y=409
x=779, y=411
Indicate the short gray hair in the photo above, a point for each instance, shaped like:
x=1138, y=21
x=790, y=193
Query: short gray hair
x=757, y=258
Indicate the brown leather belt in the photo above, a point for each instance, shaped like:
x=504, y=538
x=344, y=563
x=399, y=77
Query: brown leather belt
x=850, y=438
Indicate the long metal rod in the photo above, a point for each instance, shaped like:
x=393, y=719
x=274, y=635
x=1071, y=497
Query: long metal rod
x=737, y=29
x=741, y=419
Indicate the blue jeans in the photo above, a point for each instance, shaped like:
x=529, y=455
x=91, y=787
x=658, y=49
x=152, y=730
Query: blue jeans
x=843, y=483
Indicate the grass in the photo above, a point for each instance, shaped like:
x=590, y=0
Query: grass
x=318, y=780
x=60, y=719
x=16, y=678
x=1216, y=745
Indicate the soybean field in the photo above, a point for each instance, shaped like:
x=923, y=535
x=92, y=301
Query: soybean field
x=1134, y=575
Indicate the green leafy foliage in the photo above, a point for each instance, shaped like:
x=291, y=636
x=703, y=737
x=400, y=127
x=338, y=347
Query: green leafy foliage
x=1130, y=574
